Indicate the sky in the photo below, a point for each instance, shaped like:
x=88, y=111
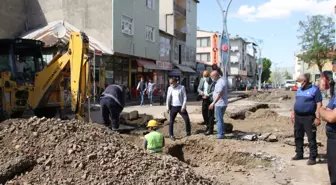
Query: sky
x=273, y=21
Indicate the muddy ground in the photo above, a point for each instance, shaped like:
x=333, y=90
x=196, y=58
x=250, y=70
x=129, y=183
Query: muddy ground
x=236, y=161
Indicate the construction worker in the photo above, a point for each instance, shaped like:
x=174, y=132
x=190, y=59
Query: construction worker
x=328, y=114
x=112, y=102
x=306, y=117
x=154, y=140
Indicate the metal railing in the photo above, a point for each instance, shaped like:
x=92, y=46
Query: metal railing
x=180, y=35
x=180, y=10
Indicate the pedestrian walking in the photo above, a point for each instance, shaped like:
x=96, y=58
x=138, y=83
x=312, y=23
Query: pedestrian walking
x=112, y=102
x=162, y=96
x=154, y=140
x=177, y=103
x=142, y=87
x=151, y=87
x=328, y=114
x=220, y=102
x=305, y=117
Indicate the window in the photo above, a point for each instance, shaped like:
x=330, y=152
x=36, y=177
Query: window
x=205, y=57
x=127, y=25
x=150, y=4
x=150, y=35
x=203, y=42
x=165, y=49
x=189, y=5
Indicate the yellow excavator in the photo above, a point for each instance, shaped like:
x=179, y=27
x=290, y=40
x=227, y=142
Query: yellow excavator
x=28, y=83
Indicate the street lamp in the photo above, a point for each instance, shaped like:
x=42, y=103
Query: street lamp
x=259, y=44
x=225, y=40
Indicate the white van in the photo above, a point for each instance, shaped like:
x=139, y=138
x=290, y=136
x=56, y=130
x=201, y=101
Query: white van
x=289, y=84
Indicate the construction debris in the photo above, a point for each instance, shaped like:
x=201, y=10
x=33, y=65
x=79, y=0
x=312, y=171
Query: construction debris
x=74, y=152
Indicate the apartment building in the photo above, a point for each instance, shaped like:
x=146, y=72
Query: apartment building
x=243, y=61
x=178, y=18
x=300, y=67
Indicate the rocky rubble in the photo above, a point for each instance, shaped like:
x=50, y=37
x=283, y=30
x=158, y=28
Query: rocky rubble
x=74, y=152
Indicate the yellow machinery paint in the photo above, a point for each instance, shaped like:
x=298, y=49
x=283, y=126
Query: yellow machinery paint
x=45, y=94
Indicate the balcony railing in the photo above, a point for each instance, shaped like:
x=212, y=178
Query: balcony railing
x=180, y=35
x=180, y=10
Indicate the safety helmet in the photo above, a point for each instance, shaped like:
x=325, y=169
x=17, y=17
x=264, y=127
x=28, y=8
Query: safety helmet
x=152, y=123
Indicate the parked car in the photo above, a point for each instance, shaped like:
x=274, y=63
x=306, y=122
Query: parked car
x=294, y=88
x=289, y=84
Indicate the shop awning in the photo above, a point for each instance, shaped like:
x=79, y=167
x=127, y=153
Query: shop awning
x=151, y=65
x=185, y=68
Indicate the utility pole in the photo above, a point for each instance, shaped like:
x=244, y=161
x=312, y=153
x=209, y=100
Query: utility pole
x=259, y=44
x=225, y=40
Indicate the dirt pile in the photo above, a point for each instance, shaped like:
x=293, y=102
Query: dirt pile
x=263, y=113
x=276, y=95
x=50, y=151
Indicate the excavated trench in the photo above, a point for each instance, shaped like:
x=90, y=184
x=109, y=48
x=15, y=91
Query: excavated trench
x=196, y=154
x=242, y=113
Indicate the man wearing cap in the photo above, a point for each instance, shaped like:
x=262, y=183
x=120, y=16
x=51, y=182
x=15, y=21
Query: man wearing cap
x=328, y=114
x=154, y=140
x=306, y=117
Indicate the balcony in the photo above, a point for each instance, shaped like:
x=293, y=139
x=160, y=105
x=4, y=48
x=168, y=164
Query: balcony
x=180, y=10
x=180, y=35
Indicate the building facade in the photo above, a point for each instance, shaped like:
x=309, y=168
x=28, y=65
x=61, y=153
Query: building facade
x=179, y=18
x=243, y=61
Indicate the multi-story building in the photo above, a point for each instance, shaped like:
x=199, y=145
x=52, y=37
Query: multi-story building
x=243, y=62
x=178, y=18
x=302, y=67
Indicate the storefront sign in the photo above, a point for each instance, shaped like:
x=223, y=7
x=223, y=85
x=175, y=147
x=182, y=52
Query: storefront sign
x=109, y=74
x=215, y=49
x=164, y=64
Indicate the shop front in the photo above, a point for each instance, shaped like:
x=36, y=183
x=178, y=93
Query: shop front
x=149, y=70
x=117, y=70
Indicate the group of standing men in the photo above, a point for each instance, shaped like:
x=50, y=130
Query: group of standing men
x=307, y=115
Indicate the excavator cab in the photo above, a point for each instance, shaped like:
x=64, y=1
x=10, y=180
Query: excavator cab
x=20, y=59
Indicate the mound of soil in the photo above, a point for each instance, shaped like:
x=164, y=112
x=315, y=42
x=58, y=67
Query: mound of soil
x=263, y=113
x=50, y=151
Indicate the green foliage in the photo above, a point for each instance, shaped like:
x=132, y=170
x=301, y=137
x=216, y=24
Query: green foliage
x=266, y=72
x=316, y=38
x=287, y=76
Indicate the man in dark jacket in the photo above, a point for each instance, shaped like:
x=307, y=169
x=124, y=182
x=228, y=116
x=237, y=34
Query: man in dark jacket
x=112, y=102
x=203, y=89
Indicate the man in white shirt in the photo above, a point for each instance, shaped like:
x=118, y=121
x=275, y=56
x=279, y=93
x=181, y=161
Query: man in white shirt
x=177, y=103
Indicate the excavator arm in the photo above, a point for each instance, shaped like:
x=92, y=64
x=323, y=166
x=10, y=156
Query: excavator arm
x=74, y=63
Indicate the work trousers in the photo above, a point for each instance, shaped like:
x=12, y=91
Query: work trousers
x=302, y=125
x=110, y=109
x=331, y=157
x=208, y=115
x=185, y=116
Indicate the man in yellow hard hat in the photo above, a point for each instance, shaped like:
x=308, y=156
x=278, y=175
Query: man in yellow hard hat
x=154, y=140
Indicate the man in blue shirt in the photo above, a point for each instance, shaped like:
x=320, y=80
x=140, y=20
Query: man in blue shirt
x=328, y=114
x=220, y=102
x=306, y=117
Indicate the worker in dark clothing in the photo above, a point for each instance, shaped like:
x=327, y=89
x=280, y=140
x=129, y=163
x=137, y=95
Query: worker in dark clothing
x=216, y=68
x=306, y=117
x=112, y=102
x=328, y=114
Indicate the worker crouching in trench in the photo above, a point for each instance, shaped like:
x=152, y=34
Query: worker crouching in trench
x=154, y=140
x=112, y=103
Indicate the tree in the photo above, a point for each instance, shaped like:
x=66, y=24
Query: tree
x=266, y=71
x=286, y=75
x=316, y=38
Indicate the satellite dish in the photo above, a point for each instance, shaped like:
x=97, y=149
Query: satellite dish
x=59, y=32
